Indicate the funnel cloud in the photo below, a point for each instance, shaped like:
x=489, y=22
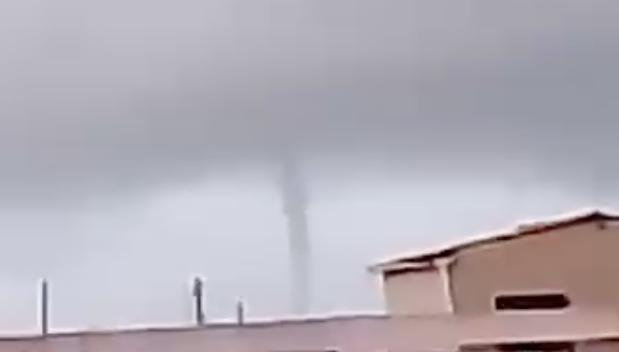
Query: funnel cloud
x=294, y=196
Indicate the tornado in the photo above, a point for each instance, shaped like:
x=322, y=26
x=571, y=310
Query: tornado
x=294, y=197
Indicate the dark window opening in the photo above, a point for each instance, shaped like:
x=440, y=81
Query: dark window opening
x=537, y=301
x=534, y=347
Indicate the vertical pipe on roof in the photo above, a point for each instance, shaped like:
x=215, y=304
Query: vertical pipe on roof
x=198, y=295
x=44, y=307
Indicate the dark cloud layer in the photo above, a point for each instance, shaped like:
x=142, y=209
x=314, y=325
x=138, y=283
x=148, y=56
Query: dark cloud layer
x=106, y=95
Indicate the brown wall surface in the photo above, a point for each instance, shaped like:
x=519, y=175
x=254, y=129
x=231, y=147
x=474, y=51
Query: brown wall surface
x=598, y=346
x=416, y=293
x=347, y=334
x=582, y=261
x=355, y=334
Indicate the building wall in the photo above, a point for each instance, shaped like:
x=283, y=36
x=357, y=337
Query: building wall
x=603, y=345
x=354, y=334
x=581, y=261
x=598, y=346
x=444, y=333
x=419, y=292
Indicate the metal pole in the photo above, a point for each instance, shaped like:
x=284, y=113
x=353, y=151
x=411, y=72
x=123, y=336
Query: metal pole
x=240, y=313
x=44, y=307
x=198, y=295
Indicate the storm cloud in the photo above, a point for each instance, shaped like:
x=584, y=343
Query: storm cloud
x=104, y=95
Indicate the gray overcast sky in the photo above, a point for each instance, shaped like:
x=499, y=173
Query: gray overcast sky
x=137, y=140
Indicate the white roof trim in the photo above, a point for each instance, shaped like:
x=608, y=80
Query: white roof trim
x=386, y=267
x=388, y=264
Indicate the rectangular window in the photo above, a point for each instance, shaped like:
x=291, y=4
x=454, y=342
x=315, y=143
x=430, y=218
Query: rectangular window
x=531, y=302
x=538, y=347
x=325, y=350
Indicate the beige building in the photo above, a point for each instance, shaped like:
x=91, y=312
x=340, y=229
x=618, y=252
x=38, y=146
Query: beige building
x=561, y=264
x=546, y=286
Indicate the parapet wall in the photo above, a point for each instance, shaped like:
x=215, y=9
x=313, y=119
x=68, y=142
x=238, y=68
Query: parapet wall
x=355, y=334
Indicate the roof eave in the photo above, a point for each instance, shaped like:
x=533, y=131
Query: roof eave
x=383, y=268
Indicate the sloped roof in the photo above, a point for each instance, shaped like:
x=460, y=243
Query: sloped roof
x=427, y=257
